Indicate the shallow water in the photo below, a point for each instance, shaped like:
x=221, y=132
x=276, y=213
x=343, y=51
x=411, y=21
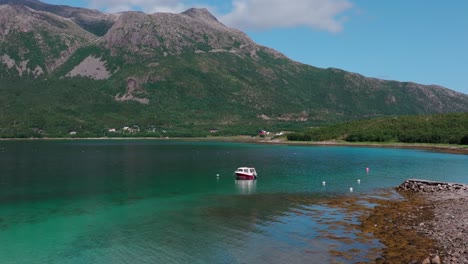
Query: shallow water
x=140, y=201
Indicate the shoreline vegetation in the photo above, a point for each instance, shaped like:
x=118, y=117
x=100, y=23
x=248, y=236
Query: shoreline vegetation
x=440, y=128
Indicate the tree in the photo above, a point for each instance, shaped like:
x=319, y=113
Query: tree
x=464, y=140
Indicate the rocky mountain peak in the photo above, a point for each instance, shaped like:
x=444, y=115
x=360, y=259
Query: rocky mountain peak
x=21, y=2
x=37, y=42
x=162, y=34
x=92, y=21
x=200, y=13
x=22, y=19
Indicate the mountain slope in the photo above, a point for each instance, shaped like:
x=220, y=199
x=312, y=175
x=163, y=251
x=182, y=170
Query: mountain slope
x=163, y=34
x=180, y=73
x=91, y=20
x=36, y=42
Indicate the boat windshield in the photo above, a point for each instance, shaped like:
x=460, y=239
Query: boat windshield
x=247, y=170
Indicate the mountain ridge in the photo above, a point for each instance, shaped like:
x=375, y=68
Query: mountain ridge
x=91, y=20
x=201, y=13
x=183, y=71
x=44, y=32
x=176, y=32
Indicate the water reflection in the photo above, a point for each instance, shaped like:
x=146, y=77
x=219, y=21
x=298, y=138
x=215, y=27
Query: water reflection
x=246, y=186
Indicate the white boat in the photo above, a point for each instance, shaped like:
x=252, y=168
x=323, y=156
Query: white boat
x=245, y=173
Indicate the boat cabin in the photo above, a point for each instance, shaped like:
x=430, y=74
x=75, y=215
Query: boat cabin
x=245, y=173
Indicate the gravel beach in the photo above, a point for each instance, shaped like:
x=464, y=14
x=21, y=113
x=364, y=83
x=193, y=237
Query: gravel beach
x=448, y=203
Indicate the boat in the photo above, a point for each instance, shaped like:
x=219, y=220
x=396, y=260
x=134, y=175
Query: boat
x=245, y=173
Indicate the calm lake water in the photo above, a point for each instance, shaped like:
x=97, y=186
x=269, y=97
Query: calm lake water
x=140, y=201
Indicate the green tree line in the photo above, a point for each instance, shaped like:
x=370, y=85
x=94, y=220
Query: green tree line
x=440, y=128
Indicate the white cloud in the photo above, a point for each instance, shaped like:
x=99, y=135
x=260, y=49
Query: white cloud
x=147, y=6
x=266, y=14
x=250, y=14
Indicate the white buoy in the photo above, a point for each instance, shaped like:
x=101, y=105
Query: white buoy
x=367, y=170
x=323, y=183
x=351, y=189
x=359, y=181
x=217, y=175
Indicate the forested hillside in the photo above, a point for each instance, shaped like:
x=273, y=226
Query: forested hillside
x=68, y=71
x=442, y=128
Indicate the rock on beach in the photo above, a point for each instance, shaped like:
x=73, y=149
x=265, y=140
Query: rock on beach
x=450, y=224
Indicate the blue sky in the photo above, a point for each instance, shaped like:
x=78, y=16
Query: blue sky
x=424, y=41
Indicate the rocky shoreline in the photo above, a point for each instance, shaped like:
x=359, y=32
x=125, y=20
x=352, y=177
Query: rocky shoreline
x=448, y=204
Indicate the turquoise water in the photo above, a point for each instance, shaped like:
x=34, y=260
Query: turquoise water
x=142, y=201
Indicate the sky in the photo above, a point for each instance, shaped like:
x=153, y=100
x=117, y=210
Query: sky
x=423, y=41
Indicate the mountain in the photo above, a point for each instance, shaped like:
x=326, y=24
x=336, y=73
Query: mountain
x=37, y=42
x=66, y=69
x=91, y=20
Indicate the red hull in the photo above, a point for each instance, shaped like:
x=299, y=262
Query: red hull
x=242, y=176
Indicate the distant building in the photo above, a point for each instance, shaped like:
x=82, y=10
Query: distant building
x=213, y=130
x=112, y=130
x=73, y=133
x=133, y=129
x=262, y=133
